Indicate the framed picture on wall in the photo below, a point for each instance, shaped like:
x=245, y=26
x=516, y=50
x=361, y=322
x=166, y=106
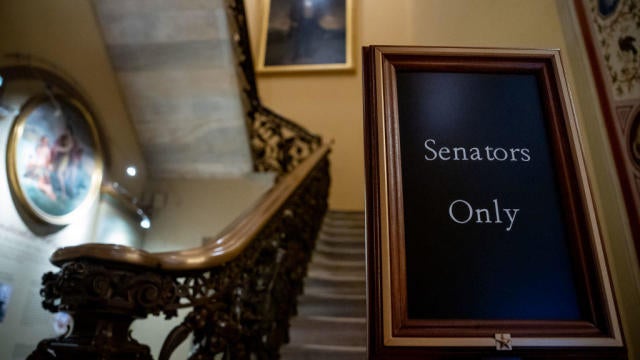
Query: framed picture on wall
x=306, y=35
x=54, y=159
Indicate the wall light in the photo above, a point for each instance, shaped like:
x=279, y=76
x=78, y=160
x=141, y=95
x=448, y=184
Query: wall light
x=1, y=80
x=132, y=170
x=145, y=223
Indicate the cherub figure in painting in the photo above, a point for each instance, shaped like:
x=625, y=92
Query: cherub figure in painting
x=39, y=167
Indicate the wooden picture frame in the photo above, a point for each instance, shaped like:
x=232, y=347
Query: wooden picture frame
x=54, y=159
x=444, y=129
x=306, y=35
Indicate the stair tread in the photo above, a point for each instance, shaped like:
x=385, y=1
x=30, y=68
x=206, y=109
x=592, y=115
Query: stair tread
x=335, y=275
x=321, y=261
x=326, y=295
x=331, y=321
x=309, y=305
x=307, y=298
x=347, y=239
x=349, y=246
x=342, y=229
x=328, y=248
x=342, y=226
x=321, y=258
x=323, y=352
x=348, y=221
x=329, y=330
x=339, y=213
x=330, y=348
x=336, y=291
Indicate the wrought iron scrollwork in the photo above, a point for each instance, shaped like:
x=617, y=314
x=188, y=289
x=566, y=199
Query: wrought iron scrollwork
x=277, y=144
x=83, y=285
x=252, y=298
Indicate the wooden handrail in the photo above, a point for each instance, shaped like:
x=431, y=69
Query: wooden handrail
x=217, y=250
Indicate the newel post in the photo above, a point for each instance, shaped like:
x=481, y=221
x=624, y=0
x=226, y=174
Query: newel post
x=103, y=300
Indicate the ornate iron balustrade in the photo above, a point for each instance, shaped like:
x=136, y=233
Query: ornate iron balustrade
x=277, y=144
x=242, y=285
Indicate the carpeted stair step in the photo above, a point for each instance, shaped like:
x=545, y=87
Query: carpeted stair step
x=339, y=272
x=331, y=312
x=356, y=231
x=317, y=352
x=336, y=284
x=348, y=268
x=340, y=253
x=322, y=304
x=346, y=241
x=345, y=215
x=329, y=330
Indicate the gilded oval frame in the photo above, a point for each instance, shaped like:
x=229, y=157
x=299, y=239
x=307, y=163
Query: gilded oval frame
x=54, y=158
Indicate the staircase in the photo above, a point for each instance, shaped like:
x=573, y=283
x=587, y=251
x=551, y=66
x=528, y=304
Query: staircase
x=331, y=313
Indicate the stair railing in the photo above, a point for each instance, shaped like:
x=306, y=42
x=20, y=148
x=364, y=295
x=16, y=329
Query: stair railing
x=277, y=144
x=242, y=284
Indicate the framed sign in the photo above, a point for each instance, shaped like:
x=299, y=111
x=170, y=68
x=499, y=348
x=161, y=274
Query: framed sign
x=306, y=35
x=481, y=230
x=54, y=158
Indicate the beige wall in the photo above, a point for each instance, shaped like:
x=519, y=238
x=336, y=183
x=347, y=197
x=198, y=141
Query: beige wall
x=331, y=103
x=63, y=33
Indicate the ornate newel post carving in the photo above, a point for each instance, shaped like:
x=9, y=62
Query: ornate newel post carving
x=103, y=301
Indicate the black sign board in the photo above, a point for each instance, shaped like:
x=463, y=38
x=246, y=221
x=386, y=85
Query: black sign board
x=481, y=231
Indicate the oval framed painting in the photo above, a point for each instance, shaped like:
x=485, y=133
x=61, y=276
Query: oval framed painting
x=54, y=158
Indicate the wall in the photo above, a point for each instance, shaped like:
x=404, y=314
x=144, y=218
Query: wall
x=64, y=33
x=331, y=103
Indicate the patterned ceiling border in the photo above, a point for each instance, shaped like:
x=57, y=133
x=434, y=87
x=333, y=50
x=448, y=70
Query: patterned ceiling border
x=609, y=30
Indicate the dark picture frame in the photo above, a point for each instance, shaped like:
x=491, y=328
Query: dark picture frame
x=54, y=159
x=422, y=258
x=306, y=35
